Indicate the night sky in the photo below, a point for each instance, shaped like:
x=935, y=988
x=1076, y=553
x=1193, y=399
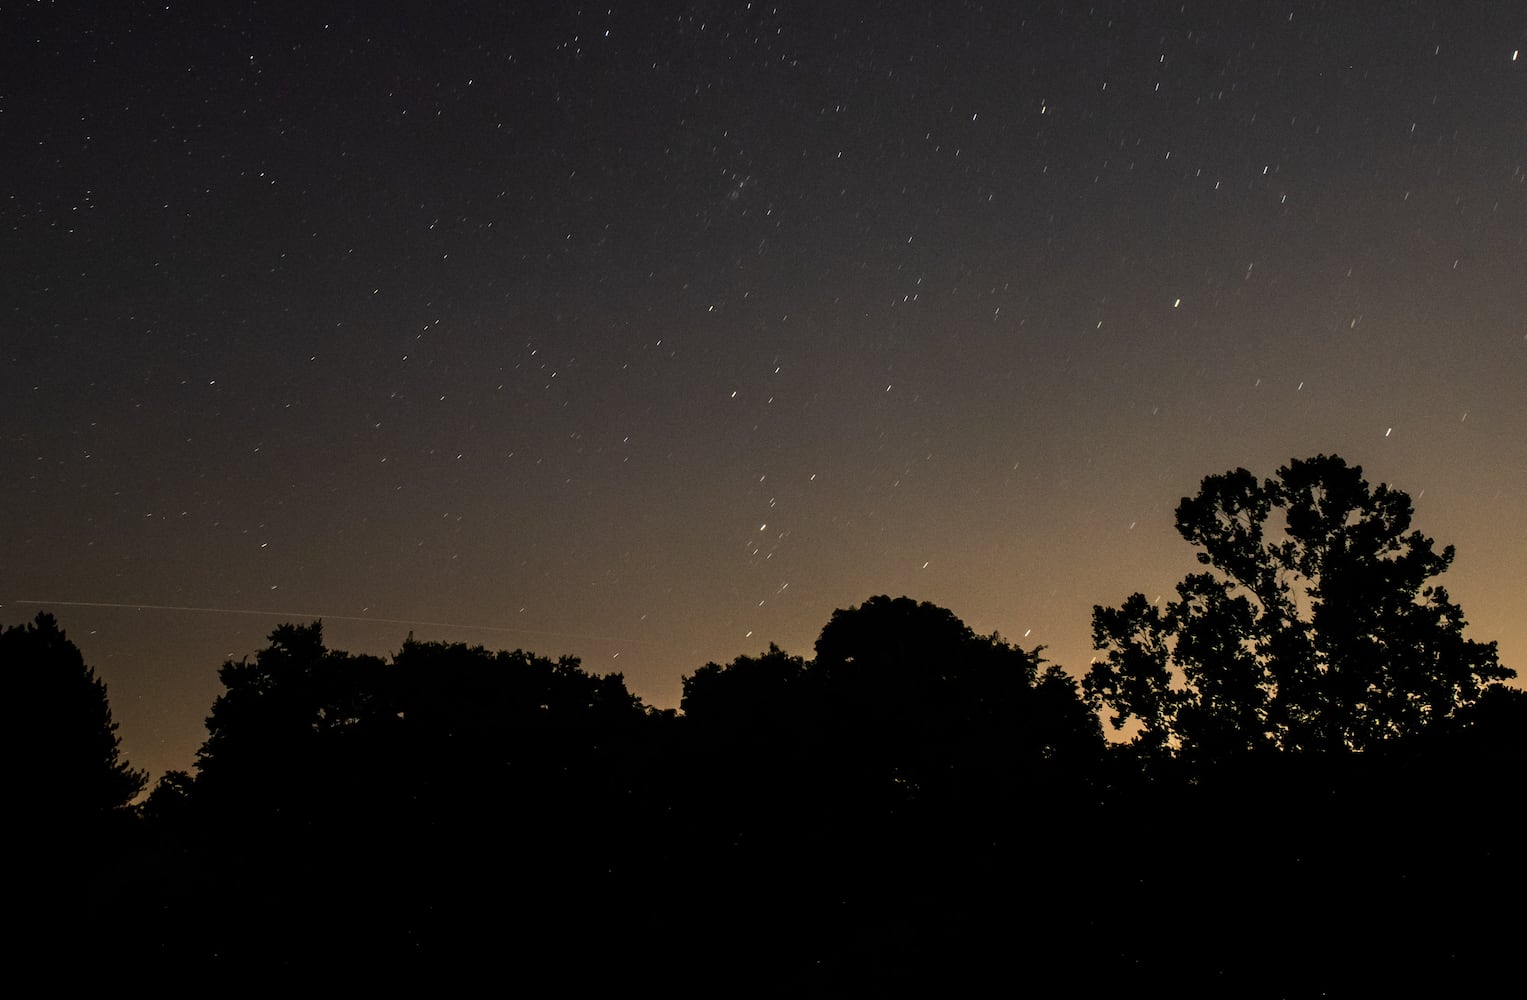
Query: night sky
x=654, y=333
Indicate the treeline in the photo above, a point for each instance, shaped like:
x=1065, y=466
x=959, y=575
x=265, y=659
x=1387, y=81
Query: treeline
x=1321, y=795
x=916, y=804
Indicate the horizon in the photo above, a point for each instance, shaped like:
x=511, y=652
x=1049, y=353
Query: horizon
x=654, y=337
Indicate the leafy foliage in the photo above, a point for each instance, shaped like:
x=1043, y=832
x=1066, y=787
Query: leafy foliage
x=61, y=728
x=1316, y=626
x=916, y=804
x=304, y=731
x=901, y=695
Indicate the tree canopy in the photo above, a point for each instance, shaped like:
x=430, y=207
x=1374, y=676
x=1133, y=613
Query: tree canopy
x=901, y=693
x=304, y=730
x=917, y=803
x=1316, y=625
x=71, y=765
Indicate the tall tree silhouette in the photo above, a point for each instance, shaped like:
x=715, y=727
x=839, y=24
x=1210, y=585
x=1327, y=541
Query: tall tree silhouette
x=60, y=725
x=285, y=722
x=1316, y=627
x=854, y=800
x=903, y=701
x=914, y=676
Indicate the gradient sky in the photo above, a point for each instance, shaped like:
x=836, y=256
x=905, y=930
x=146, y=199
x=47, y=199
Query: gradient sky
x=653, y=333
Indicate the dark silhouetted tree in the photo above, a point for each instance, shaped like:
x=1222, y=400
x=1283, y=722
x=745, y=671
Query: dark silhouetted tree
x=755, y=732
x=285, y=723
x=750, y=693
x=1316, y=627
x=855, y=801
x=304, y=728
x=169, y=804
x=914, y=671
x=65, y=751
x=902, y=697
x=410, y=790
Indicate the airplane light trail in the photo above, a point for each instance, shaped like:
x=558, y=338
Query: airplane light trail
x=309, y=616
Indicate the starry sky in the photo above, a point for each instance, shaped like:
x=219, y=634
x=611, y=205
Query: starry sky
x=652, y=333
